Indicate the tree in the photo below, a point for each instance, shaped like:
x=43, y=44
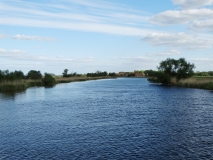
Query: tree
x=113, y=74
x=19, y=74
x=172, y=68
x=11, y=76
x=65, y=73
x=48, y=80
x=1, y=75
x=34, y=75
x=150, y=72
x=97, y=74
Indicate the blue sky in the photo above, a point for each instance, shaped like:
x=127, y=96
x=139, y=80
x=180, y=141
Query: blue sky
x=107, y=35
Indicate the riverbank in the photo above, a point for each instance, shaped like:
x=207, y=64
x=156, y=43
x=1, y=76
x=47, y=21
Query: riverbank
x=194, y=82
x=8, y=86
x=79, y=79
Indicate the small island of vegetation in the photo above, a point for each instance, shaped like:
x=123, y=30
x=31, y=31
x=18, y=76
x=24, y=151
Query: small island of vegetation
x=180, y=73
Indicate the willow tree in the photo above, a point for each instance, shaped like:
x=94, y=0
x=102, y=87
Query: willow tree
x=170, y=68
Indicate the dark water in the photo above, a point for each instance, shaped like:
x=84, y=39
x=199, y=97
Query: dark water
x=107, y=119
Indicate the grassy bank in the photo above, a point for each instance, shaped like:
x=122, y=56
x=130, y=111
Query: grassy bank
x=9, y=86
x=78, y=79
x=195, y=82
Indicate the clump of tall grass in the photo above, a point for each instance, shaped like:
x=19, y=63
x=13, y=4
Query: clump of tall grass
x=33, y=84
x=194, y=82
x=12, y=87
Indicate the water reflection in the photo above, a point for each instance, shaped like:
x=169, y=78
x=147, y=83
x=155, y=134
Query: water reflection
x=11, y=95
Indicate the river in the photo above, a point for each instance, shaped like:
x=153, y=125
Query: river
x=125, y=118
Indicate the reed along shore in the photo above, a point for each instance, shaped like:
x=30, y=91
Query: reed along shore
x=7, y=86
x=194, y=82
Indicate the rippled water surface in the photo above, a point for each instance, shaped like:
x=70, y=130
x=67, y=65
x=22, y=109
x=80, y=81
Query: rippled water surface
x=107, y=119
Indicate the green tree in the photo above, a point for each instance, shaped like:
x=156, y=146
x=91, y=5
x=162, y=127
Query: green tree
x=1, y=75
x=34, y=75
x=19, y=75
x=65, y=73
x=48, y=80
x=113, y=74
x=172, y=68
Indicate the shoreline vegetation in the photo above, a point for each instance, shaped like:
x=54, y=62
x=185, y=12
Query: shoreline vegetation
x=23, y=84
x=180, y=73
x=17, y=81
x=192, y=82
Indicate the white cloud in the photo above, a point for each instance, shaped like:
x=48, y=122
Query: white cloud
x=3, y=36
x=141, y=60
x=97, y=16
x=192, y=3
x=166, y=53
x=90, y=27
x=180, y=40
x=202, y=59
x=202, y=63
x=19, y=56
x=202, y=25
x=38, y=38
x=11, y=53
x=179, y=17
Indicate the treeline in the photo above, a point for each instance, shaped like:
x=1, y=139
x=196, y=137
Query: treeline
x=101, y=74
x=96, y=74
x=205, y=74
x=6, y=75
x=8, y=78
x=74, y=74
x=126, y=74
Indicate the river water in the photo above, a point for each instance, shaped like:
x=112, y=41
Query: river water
x=125, y=118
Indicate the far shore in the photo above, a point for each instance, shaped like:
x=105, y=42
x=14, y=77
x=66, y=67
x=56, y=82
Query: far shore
x=79, y=79
x=193, y=82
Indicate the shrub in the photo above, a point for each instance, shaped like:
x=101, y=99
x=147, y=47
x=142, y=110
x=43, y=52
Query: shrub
x=48, y=80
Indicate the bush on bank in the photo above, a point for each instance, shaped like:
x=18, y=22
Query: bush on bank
x=48, y=80
x=171, y=68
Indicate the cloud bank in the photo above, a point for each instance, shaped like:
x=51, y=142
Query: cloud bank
x=37, y=38
x=24, y=56
x=82, y=15
x=192, y=3
x=3, y=36
x=168, y=53
x=172, y=17
x=181, y=40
